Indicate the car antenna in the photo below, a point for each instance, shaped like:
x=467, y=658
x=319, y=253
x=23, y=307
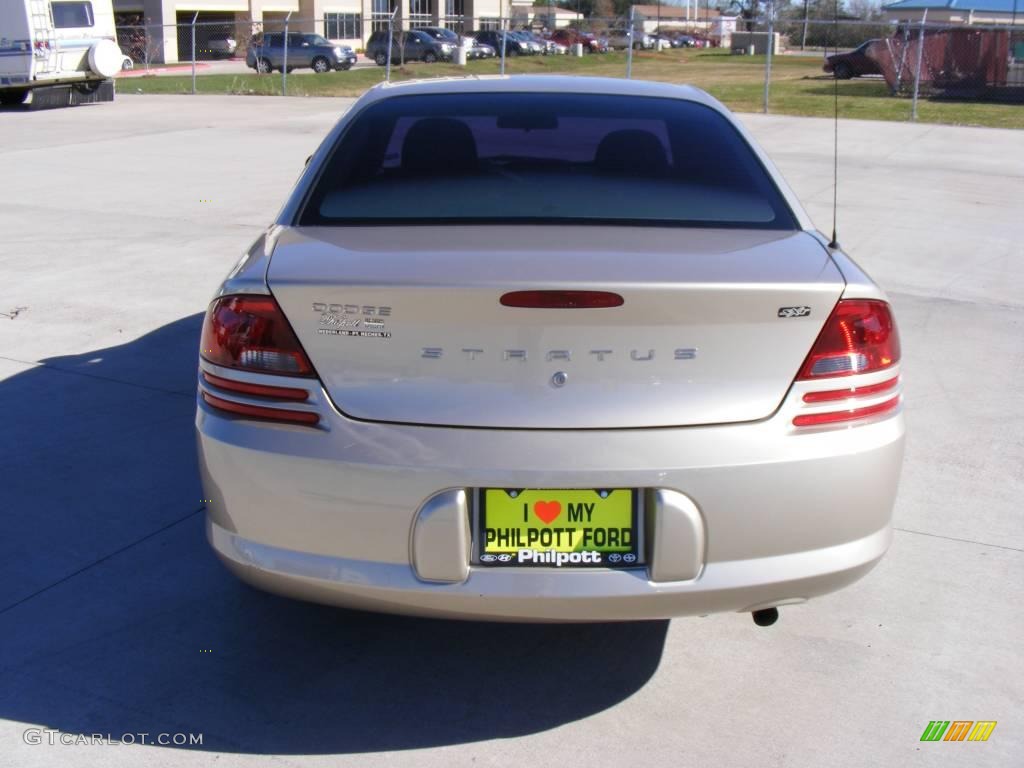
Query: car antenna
x=834, y=243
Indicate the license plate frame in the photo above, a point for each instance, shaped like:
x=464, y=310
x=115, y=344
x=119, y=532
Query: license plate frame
x=635, y=552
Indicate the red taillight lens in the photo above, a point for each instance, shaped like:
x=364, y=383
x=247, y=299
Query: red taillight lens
x=261, y=412
x=562, y=299
x=832, y=395
x=851, y=414
x=258, y=390
x=859, y=337
x=250, y=333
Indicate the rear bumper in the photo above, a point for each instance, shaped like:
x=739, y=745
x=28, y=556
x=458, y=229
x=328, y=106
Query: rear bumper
x=547, y=594
x=334, y=514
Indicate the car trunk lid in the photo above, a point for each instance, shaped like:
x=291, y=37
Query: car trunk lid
x=406, y=324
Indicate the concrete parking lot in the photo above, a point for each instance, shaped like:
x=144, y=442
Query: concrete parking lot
x=117, y=223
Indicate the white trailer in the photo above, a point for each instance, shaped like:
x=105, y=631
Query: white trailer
x=62, y=52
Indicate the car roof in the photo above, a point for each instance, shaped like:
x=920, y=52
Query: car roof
x=541, y=84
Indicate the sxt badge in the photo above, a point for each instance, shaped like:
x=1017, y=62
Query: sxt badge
x=794, y=311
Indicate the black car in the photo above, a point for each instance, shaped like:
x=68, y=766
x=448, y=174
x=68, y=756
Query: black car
x=313, y=51
x=442, y=34
x=513, y=45
x=855, y=63
x=415, y=45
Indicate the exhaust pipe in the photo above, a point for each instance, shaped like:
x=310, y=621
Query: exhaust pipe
x=765, y=617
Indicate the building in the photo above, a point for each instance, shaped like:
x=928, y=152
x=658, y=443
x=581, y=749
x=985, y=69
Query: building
x=168, y=35
x=957, y=11
x=691, y=16
x=525, y=14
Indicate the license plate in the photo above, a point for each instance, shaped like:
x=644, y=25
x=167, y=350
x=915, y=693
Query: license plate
x=559, y=528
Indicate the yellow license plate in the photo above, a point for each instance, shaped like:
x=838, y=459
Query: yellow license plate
x=559, y=528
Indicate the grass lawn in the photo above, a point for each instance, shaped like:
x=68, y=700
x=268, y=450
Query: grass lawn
x=798, y=87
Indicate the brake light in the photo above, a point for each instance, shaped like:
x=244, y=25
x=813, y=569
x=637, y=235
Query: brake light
x=250, y=333
x=850, y=414
x=859, y=336
x=848, y=392
x=261, y=412
x=562, y=299
x=257, y=390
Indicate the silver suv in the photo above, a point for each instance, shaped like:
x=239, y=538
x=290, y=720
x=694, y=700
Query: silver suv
x=304, y=51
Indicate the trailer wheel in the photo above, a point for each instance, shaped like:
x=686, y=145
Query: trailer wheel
x=11, y=98
x=88, y=87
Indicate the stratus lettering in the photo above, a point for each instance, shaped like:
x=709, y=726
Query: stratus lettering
x=563, y=355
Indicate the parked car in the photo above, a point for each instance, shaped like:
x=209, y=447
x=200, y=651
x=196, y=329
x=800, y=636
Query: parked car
x=569, y=37
x=556, y=49
x=854, y=63
x=442, y=34
x=538, y=43
x=222, y=45
x=661, y=41
x=304, y=51
x=620, y=38
x=514, y=46
x=533, y=46
x=479, y=50
x=685, y=41
x=563, y=409
x=412, y=45
x=474, y=49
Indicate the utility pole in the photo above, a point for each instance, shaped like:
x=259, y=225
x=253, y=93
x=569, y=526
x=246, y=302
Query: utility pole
x=803, y=41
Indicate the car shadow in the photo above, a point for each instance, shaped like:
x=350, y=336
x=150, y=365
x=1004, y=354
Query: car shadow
x=116, y=618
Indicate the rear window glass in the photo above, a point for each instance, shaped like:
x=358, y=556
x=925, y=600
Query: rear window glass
x=68, y=15
x=544, y=158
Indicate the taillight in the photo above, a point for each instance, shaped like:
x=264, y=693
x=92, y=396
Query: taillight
x=859, y=337
x=250, y=333
x=849, y=414
x=261, y=411
x=846, y=393
x=256, y=390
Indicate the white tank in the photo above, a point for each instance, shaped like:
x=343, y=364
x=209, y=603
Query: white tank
x=105, y=58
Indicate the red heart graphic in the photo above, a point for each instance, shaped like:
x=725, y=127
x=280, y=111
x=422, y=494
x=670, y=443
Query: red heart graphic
x=547, y=511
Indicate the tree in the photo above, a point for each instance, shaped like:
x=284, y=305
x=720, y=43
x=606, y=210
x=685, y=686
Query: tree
x=603, y=9
x=868, y=10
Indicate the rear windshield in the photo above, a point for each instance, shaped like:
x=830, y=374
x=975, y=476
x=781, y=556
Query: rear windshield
x=543, y=158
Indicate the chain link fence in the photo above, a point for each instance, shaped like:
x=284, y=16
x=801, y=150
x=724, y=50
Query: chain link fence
x=774, y=64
